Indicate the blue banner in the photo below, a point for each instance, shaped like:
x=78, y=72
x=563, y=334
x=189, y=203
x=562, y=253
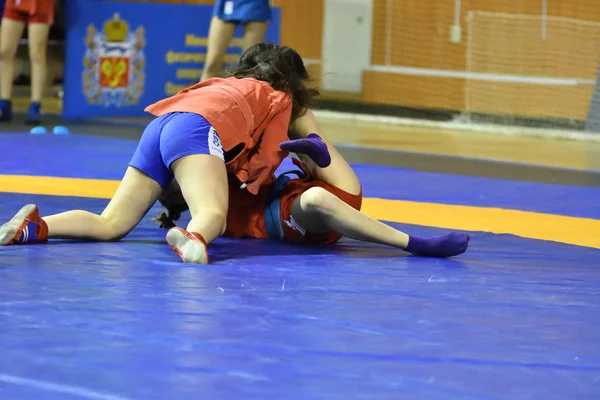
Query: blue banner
x=121, y=57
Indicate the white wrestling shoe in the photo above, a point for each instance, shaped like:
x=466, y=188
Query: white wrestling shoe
x=25, y=227
x=191, y=248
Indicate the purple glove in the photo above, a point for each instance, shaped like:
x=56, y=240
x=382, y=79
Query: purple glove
x=313, y=146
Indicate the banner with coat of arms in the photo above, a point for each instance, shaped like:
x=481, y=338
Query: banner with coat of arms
x=113, y=64
x=121, y=56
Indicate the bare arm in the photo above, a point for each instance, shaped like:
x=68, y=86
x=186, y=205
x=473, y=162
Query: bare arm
x=338, y=173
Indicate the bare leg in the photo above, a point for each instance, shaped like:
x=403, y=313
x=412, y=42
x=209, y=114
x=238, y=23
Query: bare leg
x=203, y=181
x=254, y=32
x=220, y=34
x=38, y=44
x=319, y=211
x=134, y=197
x=10, y=34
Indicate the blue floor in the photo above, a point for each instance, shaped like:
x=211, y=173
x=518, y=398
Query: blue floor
x=511, y=319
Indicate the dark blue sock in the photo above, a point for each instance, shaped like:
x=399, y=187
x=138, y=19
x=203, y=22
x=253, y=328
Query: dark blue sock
x=313, y=146
x=5, y=110
x=449, y=245
x=33, y=114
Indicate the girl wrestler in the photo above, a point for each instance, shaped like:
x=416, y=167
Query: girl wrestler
x=319, y=206
x=201, y=134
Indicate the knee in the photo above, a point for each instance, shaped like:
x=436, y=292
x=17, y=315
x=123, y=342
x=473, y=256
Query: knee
x=37, y=55
x=114, y=231
x=218, y=218
x=318, y=200
x=214, y=64
x=6, y=54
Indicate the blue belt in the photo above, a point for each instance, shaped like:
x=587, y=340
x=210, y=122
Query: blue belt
x=273, y=208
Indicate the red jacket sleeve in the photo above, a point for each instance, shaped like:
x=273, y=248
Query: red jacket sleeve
x=268, y=156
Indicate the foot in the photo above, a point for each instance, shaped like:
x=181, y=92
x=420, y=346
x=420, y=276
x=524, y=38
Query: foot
x=313, y=146
x=449, y=245
x=33, y=114
x=189, y=246
x=25, y=227
x=6, y=114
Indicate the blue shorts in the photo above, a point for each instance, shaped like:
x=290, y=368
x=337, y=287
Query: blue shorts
x=273, y=221
x=242, y=11
x=170, y=137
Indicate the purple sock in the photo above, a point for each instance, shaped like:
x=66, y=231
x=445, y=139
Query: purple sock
x=313, y=146
x=449, y=245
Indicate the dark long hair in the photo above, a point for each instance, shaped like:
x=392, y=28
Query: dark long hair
x=283, y=69
x=174, y=203
x=279, y=66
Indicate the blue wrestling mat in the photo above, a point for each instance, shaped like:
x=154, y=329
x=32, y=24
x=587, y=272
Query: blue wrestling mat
x=513, y=318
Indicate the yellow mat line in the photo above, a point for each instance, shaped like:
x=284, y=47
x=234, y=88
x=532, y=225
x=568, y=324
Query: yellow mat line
x=558, y=228
x=95, y=188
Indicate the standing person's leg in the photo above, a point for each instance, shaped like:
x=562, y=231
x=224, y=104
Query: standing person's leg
x=255, y=16
x=38, y=44
x=11, y=30
x=220, y=34
x=254, y=32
